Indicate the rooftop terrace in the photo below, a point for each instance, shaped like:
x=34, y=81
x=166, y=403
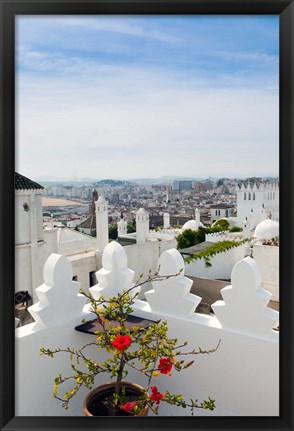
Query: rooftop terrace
x=242, y=375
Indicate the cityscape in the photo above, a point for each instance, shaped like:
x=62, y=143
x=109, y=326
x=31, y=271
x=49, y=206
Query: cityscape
x=70, y=204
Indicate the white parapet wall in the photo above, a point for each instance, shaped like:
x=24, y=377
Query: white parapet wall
x=242, y=375
x=221, y=264
x=224, y=236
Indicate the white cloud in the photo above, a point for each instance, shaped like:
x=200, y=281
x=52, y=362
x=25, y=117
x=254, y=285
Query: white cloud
x=115, y=25
x=129, y=122
x=127, y=96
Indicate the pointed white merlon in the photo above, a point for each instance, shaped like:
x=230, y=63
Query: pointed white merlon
x=114, y=276
x=59, y=297
x=172, y=296
x=244, y=308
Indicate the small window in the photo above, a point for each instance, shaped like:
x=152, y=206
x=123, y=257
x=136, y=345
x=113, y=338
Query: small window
x=244, y=196
x=92, y=278
x=249, y=196
x=75, y=278
x=253, y=196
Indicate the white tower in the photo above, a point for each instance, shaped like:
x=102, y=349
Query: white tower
x=29, y=234
x=142, y=226
x=166, y=220
x=121, y=228
x=197, y=218
x=261, y=197
x=246, y=228
x=101, y=223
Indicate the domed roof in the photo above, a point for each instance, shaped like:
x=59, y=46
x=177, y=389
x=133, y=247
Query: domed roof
x=191, y=224
x=267, y=229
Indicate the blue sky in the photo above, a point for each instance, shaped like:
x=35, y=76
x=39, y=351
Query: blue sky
x=131, y=96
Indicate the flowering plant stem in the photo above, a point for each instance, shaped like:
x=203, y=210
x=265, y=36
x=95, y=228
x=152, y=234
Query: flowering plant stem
x=146, y=350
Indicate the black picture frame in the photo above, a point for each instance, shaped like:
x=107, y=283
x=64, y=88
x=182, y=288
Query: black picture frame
x=285, y=10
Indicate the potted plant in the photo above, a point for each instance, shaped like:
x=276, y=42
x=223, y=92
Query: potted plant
x=147, y=350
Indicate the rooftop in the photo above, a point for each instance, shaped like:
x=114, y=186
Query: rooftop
x=89, y=223
x=24, y=183
x=73, y=242
x=196, y=248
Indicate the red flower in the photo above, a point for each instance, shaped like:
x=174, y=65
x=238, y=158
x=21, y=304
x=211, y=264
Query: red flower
x=156, y=396
x=122, y=342
x=165, y=365
x=128, y=406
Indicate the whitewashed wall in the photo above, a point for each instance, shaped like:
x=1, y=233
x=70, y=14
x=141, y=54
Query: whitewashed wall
x=224, y=236
x=83, y=264
x=28, y=224
x=142, y=257
x=222, y=264
x=242, y=375
x=28, y=271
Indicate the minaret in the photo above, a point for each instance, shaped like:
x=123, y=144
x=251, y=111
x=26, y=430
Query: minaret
x=122, y=227
x=197, y=217
x=92, y=204
x=101, y=223
x=166, y=221
x=142, y=226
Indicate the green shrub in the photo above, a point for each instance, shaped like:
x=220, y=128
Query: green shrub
x=112, y=230
x=131, y=226
x=190, y=237
x=235, y=229
x=222, y=225
x=187, y=238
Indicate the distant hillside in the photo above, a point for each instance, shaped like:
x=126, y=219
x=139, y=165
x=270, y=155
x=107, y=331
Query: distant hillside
x=164, y=180
x=112, y=183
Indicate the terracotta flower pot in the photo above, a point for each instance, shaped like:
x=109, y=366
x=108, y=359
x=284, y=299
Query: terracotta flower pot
x=98, y=401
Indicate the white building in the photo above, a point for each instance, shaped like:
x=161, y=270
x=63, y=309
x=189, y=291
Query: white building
x=220, y=211
x=260, y=198
x=266, y=254
x=33, y=245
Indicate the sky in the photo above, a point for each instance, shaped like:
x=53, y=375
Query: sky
x=147, y=96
